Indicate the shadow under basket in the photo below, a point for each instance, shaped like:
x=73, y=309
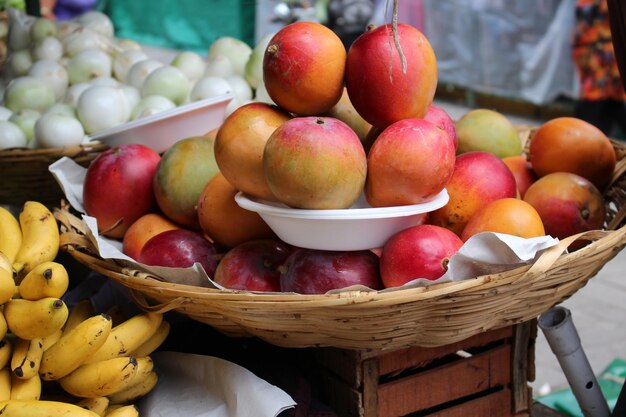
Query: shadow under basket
x=24, y=173
x=437, y=315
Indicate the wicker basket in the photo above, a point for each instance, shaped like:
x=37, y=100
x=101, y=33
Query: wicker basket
x=429, y=316
x=24, y=173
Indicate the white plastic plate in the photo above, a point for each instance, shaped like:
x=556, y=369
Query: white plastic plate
x=161, y=130
x=357, y=228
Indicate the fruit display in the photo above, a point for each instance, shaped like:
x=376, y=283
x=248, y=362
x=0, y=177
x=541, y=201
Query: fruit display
x=47, y=348
x=326, y=147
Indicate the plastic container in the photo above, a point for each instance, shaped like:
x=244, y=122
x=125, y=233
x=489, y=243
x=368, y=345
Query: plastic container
x=357, y=228
x=160, y=131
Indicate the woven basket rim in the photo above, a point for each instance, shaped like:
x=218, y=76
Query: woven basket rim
x=603, y=239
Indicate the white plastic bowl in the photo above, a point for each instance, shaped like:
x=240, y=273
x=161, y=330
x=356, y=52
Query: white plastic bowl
x=161, y=130
x=357, y=228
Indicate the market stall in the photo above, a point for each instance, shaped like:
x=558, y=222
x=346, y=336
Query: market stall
x=290, y=208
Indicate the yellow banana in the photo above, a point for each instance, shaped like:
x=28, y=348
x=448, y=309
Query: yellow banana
x=100, y=379
x=79, y=313
x=6, y=263
x=10, y=234
x=5, y=384
x=135, y=391
x=48, y=341
x=40, y=237
x=98, y=405
x=154, y=342
x=145, y=365
x=128, y=336
x=3, y=325
x=48, y=279
x=25, y=389
x=111, y=408
x=6, y=350
x=35, y=319
x=124, y=411
x=26, y=357
x=30, y=408
x=71, y=350
x=7, y=285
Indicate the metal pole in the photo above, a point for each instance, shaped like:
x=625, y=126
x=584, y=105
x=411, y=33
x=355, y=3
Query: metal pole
x=561, y=334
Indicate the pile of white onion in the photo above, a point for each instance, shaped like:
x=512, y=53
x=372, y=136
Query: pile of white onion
x=66, y=80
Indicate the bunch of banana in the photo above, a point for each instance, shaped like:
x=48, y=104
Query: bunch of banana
x=104, y=363
x=31, y=239
x=93, y=359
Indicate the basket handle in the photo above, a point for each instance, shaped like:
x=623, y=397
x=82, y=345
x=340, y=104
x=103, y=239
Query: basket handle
x=140, y=300
x=552, y=254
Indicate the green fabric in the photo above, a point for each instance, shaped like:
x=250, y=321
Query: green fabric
x=190, y=25
x=610, y=381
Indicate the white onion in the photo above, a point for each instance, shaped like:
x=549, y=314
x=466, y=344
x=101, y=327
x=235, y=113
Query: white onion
x=139, y=71
x=88, y=64
x=190, y=63
x=48, y=48
x=82, y=39
x=208, y=87
x=73, y=93
x=167, y=81
x=42, y=28
x=56, y=130
x=98, y=22
x=101, y=107
x=218, y=66
x=25, y=119
x=133, y=95
x=241, y=88
x=66, y=28
x=5, y=113
x=261, y=94
x=11, y=136
x=19, y=30
x=150, y=105
x=20, y=61
x=62, y=108
x=236, y=50
x=126, y=44
x=254, y=66
x=28, y=93
x=53, y=73
x=124, y=60
x=108, y=81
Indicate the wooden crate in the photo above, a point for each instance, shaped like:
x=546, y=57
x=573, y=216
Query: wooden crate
x=484, y=376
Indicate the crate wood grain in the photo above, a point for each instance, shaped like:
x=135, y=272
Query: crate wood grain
x=482, y=376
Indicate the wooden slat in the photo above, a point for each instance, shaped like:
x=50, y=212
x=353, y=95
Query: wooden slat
x=370, y=388
x=492, y=405
x=446, y=383
x=519, y=364
x=418, y=356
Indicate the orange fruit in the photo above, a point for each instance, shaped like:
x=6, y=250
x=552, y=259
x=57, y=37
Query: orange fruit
x=222, y=219
x=569, y=144
x=142, y=229
x=506, y=215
